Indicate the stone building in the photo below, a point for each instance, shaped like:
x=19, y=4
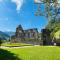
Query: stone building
x=31, y=33
x=19, y=33
x=26, y=36
x=31, y=36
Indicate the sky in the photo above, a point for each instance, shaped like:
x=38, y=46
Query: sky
x=16, y=12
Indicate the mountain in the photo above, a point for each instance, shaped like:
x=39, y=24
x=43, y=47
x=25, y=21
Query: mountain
x=10, y=33
x=4, y=36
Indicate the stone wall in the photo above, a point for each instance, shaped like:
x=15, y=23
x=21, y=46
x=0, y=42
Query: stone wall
x=26, y=36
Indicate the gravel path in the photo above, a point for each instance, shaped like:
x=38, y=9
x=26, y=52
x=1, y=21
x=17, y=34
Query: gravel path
x=18, y=47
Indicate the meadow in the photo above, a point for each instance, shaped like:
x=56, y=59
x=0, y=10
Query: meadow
x=36, y=52
x=15, y=44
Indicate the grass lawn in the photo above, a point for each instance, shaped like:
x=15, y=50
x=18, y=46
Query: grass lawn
x=36, y=53
x=15, y=44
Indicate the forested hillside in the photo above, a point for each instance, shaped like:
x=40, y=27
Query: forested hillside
x=54, y=26
x=3, y=36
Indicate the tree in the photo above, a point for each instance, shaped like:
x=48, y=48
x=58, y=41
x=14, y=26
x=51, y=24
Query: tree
x=0, y=42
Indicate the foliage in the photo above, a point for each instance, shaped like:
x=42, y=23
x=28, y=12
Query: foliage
x=54, y=26
x=57, y=34
x=0, y=42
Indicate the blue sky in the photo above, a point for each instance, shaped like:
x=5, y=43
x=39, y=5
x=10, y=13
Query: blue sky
x=15, y=12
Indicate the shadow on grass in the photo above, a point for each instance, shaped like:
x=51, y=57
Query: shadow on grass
x=7, y=55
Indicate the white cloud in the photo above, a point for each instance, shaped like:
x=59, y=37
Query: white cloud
x=1, y=1
x=18, y=3
x=38, y=1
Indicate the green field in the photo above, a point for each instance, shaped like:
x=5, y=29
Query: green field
x=15, y=44
x=36, y=53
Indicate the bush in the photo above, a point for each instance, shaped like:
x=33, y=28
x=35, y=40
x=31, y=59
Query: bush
x=0, y=42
